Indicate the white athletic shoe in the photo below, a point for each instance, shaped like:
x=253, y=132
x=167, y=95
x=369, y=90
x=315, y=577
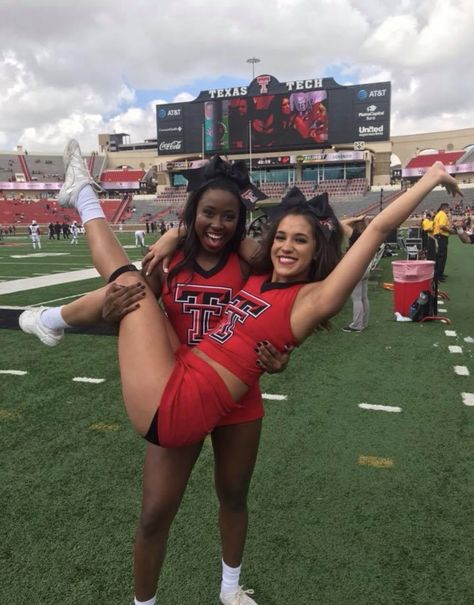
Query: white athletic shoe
x=237, y=597
x=77, y=175
x=30, y=323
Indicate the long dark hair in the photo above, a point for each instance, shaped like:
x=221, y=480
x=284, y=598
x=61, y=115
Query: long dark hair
x=190, y=244
x=328, y=251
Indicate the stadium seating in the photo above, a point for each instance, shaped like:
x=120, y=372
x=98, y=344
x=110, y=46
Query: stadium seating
x=426, y=160
x=43, y=168
x=117, y=176
x=273, y=189
x=23, y=211
x=343, y=188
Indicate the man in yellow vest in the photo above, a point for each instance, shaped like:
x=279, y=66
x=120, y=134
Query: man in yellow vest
x=441, y=231
x=427, y=237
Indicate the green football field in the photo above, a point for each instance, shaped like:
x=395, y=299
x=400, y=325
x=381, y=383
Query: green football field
x=349, y=505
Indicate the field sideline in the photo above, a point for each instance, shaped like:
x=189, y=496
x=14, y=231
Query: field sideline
x=349, y=505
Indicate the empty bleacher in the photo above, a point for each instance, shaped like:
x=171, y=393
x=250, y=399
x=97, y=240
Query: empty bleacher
x=425, y=160
x=9, y=167
x=343, y=188
x=42, y=168
x=174, y=197
x=45, y=168
x=124, y=175
x=23, y=211
x=273, y=190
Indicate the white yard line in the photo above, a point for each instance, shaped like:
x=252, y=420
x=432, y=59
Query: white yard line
x=461, y=370
x=14, y=372
x=271, y=397
x=455, y=349
x=468, y=398
x=450, y=333
x=31, y=283
x=380, y=408
x=86, y=379
x=46, y=303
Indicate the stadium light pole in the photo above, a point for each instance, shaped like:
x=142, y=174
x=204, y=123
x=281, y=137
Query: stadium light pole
x=253, y=61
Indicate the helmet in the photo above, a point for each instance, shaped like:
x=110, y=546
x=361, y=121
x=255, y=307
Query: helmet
x=33, y=222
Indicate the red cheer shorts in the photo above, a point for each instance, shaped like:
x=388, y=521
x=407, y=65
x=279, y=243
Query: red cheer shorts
x=194, y=400
x=247, y=409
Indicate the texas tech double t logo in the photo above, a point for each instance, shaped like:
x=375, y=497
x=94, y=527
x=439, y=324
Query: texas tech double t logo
x=203, y=303
x=239, y=309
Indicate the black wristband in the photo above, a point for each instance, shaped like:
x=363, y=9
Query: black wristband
x=120, y=270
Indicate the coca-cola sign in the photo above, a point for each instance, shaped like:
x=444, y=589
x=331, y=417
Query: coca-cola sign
x=175, y=145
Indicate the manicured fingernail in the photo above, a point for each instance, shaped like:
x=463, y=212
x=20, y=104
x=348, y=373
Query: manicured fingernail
x=165, y=270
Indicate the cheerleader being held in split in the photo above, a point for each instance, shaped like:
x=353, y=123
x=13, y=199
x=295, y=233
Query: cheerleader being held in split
x=206, y=272
x=175, y=395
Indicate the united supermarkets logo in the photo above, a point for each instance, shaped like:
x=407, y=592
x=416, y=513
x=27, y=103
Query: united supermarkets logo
x=370, y=131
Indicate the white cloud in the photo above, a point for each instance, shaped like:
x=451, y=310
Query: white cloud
x=73, y=68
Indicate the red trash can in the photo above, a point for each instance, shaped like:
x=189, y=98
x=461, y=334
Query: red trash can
x=410, y=277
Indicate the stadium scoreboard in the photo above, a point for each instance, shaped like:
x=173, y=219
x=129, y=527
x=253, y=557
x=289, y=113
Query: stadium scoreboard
x=269, y=115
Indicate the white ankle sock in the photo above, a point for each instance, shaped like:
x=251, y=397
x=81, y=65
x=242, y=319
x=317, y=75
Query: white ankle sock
x=149, y=602
x=230, y=578
x=88, y=205
x=52, y=319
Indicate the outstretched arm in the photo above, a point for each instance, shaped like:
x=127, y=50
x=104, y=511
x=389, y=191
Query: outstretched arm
x=320, y=301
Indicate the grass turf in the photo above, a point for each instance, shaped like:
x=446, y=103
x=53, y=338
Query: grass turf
x=326, y=527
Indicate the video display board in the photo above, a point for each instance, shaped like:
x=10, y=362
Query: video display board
x=269, y=115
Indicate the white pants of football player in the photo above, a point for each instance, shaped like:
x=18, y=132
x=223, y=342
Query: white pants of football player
x=35, y=239
x=139, y=238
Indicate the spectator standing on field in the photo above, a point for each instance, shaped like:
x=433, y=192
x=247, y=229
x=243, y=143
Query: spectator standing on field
x=441, y=232
x=35, y=233
x=75, y=233
x=139, y=238
x=353, y=229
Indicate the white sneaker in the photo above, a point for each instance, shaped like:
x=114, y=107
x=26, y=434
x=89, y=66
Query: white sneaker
x=237, y=597
x=77, y=175
x=31, y=323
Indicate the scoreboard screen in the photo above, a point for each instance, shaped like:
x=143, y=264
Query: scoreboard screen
x=269, y=115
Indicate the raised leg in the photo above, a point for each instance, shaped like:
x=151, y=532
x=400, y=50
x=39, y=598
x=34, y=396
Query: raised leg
x=145, y=351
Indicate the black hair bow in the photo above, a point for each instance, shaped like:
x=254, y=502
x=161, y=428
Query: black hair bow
x=237, y=173
x=318, y=205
